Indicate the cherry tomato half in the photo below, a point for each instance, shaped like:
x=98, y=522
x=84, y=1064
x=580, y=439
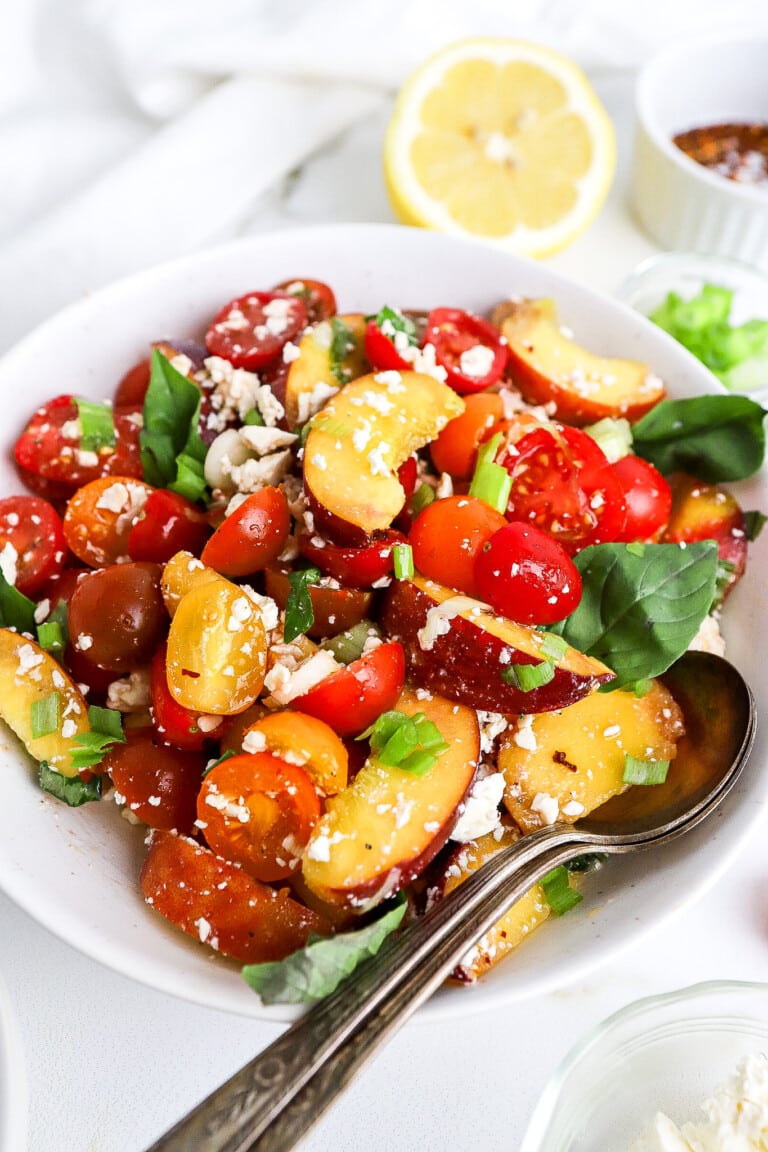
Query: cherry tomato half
x=117, y=615
x=447, y=536
x=252, y=536
x=33, y=529
x=160, y=784
x=527, y=576
x=317, y=296
x=251, y=330
x=48, y=451
x=354, y=697
x=258, y=811
x=173, y=723
x=353, y=567
x=455, y=449
x=167, y=524
x=101, y=516
x=380, y=349
x=648, y=498
x=469, y=348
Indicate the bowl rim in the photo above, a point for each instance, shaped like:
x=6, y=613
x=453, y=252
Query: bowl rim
x=57, y=919
x=646, y=94
x=546, y=1105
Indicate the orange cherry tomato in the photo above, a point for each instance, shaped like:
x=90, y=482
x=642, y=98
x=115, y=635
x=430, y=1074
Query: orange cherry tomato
x=222, y=906
x=455, y=449
x=258, y=811
x=100, y=516
x=172, y=723
x=160, y=784
x=252, y=537
x=447, y=537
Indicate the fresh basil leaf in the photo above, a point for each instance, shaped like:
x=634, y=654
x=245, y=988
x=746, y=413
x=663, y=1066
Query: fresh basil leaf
x=638, y=614
x=16, y=610
x=170, y=406
x=299, y=614
x=754, y=522
x=317, y=969
x=714, y=438
x=71, y=789
x=89, y=748
x=106, y=720
x=396, y=320
x=342, y=343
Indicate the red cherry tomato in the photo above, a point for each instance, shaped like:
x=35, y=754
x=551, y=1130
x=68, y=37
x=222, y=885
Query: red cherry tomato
x=353, y=698
x=380, y=350
x=408, y=474
x=48, y=451
x=318, y=297
x=133, y=386
x=447, y=536
x=167, y=524
x=353, y=567
x=33, y=529
x=563, y=484
x=258, y=811
x=648, y=498
x=173, y=723
x=251, y=330
x=252, y=536
x=160, y=784
x=117, y=615
x=469, y=348
x=527, y=576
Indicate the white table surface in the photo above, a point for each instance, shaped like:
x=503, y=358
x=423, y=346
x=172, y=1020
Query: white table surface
x=111, y=1064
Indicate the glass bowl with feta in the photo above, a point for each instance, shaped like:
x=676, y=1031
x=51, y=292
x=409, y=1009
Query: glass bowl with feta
x=678, y=1072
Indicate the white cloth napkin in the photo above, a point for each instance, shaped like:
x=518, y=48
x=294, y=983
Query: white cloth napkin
x=131, y=132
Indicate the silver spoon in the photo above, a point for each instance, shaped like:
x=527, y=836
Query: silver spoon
x=275, y=1099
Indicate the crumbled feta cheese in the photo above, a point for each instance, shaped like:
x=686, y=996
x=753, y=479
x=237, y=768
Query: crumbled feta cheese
x=285, y=684
x=709, y=637
x=524, y=736
x=291, y=352
x=377, y=464
x=68, y=729
x=42, y=611
x=438, y=621
x=131, y=693
x=254, y=741
x=476, y=361
x=481, y=811
x=8, y=560
x=264, y=440
x=546, y=806
x=492, y=724
x=310, y=403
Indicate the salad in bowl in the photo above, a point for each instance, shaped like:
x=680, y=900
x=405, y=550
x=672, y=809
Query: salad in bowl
x=318, y=609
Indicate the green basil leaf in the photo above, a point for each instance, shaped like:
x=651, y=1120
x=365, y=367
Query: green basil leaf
x=754, y=522
x=342, y=343
x=16, y=610
x=299, y=614
x=639, y=613
x=71, y=789
x=170, y=406
x=317, y=969
x=714, y=438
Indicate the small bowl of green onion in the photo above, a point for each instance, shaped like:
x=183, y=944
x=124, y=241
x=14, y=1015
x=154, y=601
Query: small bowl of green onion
x=715, y=307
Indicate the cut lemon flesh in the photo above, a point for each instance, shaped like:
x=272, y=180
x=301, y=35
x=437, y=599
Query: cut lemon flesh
x=503, y=140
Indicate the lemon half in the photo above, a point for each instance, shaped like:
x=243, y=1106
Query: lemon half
x=502, y=140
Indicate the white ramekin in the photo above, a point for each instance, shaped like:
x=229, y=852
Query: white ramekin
x=693, y=83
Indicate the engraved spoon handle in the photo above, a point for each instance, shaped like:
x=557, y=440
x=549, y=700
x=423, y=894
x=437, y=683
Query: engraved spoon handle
x=233, y=1117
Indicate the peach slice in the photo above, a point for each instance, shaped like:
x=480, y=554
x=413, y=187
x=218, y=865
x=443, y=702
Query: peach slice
x=513, y=927
x=311, y=375
x=547, y=366
x=559, y=767
x=362, y=436
x=708, y=512
x=383, y=829
x=29, y=674
x=456, y=646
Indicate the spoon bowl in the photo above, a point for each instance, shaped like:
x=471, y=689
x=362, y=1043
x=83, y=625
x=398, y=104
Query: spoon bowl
x=274, y=1100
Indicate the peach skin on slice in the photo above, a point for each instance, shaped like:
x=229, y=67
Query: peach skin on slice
x=547, y=366
x=28, y=674
x=383, y=829
x=563, y=767
x=457, y=646
x=362, y=436
x=708, y=512
x=513, y=927
x=311, y=376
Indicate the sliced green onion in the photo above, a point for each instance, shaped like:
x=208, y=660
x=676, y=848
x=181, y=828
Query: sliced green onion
x=526, y=677
x=403, y=741
x=613, y=436
x=411, y=743
x=253, y=416
x=486, y=453
x=106, y=720
x=421, y=761
x=493, y=484
x=558, y=892
x=423, y=496
x=402, y=554
x=45, y=715
x=754, y=522
x=50, y=637
x=71, y=789
x=98, y=425
x=348, y=646
x=299, y=613
x=644, y=771
x=553, y=646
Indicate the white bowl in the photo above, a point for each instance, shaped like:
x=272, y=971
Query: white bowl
x=76, y=870
x=694, y=83
x=665, y=1053
x=13, y=1093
